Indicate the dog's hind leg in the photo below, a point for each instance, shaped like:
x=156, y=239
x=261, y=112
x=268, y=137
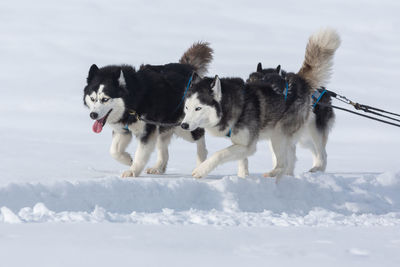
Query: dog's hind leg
x=283, y=150
x=319, y=140
x=120, y=142
x=291, y=159
x=145, y=148
x=315, y=140
x=272, y=154
x=201, y=150
x=163, y=141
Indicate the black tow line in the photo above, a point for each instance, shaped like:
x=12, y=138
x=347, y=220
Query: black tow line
x=357, y=106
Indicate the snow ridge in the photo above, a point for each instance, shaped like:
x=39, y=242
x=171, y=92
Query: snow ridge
x=310, y=199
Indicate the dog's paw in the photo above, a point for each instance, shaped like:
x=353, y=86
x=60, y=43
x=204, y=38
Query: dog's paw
x=129, y=173
x=199, y=172
x=242, y=173
x=155, y=171
x=317, y=169
x=274, y=173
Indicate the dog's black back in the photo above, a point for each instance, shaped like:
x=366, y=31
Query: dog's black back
x=157, y=91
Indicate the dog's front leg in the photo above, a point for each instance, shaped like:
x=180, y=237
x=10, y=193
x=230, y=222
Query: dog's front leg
x=145, y=148
x=234, y=152
x=243, y=168
x=120, y=142
x=201, y=150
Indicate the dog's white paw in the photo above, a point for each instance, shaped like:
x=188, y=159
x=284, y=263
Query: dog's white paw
x=278, y=172
x=155, y=171
x=129, y=173
x=200, y=171
x=242, y=173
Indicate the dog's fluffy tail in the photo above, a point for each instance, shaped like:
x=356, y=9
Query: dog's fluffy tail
x=199, y=55
x=318, y=61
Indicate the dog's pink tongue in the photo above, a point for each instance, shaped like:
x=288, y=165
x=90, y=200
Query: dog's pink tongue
x=97, y=127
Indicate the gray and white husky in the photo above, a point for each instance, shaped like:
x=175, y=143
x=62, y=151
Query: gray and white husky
x=258, y=110
x=147, y=103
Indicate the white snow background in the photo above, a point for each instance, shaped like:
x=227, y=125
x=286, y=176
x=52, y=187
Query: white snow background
x=62, y=202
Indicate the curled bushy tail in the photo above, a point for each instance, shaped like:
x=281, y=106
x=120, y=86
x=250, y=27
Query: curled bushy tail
x=318, y=61
x=199, y=55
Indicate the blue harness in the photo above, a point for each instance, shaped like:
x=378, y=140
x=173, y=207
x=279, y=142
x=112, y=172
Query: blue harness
x=184, y=94
x=285, y=91
x=229, y=133
x=317, y=95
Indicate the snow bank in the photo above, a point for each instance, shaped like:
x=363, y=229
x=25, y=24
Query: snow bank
x=310, y=199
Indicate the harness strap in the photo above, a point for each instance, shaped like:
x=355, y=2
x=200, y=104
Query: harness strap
x=317, y=95
x=184, y=94
x=229, y=133
x=285, y=91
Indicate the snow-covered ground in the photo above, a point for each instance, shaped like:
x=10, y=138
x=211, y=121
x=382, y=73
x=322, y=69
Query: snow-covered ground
x=62, y=202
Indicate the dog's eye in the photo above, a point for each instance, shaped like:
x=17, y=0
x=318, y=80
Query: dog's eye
x=103, y=100
x=197, y=109
x=92, y=98
x=186, y=107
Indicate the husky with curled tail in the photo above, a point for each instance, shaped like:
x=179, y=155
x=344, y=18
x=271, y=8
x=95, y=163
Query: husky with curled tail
x=146, y=103
x=274, y=108
x=316, y=70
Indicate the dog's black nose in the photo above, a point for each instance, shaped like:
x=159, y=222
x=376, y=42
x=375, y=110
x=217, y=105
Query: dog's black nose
x=93, y=115
x=185, y=126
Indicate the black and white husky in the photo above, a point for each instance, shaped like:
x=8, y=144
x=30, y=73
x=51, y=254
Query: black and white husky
x=147, y=103
x=258, y=110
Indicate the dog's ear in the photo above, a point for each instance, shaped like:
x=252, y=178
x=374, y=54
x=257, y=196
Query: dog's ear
x=216, y=89
x=92, y=72
x=259, y=67
x=121, y=79
x=195, y=78
x=278, y=70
